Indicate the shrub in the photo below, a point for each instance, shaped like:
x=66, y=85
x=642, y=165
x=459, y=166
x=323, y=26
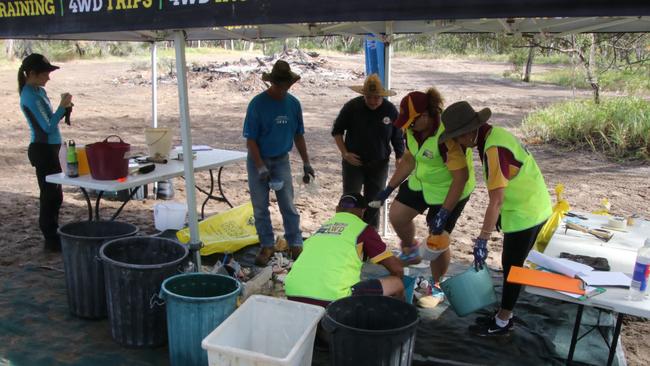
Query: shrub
x=617, y=127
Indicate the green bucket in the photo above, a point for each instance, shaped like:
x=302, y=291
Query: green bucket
x=469, y=291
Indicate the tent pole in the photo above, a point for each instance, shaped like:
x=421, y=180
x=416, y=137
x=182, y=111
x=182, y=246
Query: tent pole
x=388, y=50
x=154, y=86
x=186, y=135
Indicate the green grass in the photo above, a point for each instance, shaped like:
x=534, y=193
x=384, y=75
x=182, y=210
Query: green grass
x=631, y=81
x=617, y=127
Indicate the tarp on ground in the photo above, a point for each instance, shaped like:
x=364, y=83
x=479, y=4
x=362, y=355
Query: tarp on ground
x=36, y=329
x=106, y=18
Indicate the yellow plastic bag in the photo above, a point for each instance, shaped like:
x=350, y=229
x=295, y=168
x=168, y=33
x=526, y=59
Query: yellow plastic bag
x=228, y=231
x=561, y=207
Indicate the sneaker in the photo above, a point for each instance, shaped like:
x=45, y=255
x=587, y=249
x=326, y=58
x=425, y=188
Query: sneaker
x=436, y=291
x=411, y=258
x=491, y=330
x=295, y=252
x=264, y=256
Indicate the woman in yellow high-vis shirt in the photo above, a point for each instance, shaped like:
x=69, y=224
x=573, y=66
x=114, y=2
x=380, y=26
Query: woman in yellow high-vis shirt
x=440, y=179
x=519, y=203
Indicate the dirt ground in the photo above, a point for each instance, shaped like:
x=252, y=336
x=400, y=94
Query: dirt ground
x=113, y=97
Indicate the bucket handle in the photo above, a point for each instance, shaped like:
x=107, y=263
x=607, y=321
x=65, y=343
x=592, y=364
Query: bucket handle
x=156, y=300
x=109, y=136
x=160, y=138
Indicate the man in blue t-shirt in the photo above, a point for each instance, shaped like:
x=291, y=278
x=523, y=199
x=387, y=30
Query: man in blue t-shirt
x=273, y=124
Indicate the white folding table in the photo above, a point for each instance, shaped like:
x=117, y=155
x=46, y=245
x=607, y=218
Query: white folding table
x=205, y=160
x=620, y=252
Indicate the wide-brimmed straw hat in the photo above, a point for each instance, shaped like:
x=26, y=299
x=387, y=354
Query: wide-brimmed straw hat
x=372, y=86
x=281, y=73
x=460, y=118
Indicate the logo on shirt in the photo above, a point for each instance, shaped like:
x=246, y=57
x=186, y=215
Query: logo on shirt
x=332, y=229
x=386, y=120
x=428, y=154
x=281, y=120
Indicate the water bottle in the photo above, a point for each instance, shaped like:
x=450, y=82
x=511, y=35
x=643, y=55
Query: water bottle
x=71, y=160
x=639, y=285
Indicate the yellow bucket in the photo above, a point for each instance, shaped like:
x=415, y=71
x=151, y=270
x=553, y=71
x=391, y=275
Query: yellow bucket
x=159, y=142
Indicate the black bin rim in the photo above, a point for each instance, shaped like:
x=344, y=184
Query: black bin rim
x=105, y=259
x=62, y=230
x=382, y=332
x=167, y=292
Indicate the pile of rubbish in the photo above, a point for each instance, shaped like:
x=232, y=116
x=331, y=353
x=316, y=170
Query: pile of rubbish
x=245, y=75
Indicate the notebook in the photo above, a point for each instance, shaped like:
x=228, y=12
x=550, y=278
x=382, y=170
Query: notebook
x=551, y=281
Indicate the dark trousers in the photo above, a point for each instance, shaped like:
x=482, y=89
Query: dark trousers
x=515, y=250
x=372, y=177
x=45, y=158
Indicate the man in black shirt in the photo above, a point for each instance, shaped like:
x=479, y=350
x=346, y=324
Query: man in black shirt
x=364, y=133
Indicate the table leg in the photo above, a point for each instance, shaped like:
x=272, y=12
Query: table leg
x=207, y=198
x=133, y=192
x=209, y=194
x=88, y=204
x=574, y=337
x=221, y=188
x=617, y=332
x=99, y=198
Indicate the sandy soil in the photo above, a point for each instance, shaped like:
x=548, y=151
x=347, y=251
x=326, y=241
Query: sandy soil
x=113, y=97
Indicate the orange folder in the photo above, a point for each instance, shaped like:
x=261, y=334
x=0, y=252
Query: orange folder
x=552, y=281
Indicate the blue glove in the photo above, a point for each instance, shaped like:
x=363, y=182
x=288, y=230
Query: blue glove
x=309, y=173
x=263, y=174
x=437, y=224
x=381, y=197
x=480, y=253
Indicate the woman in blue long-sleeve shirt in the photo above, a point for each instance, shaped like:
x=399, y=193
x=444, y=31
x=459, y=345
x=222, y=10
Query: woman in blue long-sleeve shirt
x=45, y=143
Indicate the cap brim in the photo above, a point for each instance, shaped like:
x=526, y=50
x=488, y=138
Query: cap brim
x=384, y=93
x=482, y=117
x=404, y=122
x=47, y=68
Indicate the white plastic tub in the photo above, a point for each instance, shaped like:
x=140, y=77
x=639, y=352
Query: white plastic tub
x=169, y=215
x=265, y=331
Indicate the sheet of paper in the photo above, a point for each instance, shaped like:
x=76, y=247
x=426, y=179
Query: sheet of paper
x=195, y=148
x=604, y=279
x=588, y=291
x=559, y=265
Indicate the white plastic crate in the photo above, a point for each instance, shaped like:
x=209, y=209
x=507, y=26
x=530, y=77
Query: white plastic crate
x=265, y=331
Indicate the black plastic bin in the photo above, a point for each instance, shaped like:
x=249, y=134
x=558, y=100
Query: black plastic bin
x=134, y=269
x=84, y=275
x=370, y=330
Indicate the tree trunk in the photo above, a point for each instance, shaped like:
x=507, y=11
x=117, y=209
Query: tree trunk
x=591, y=67
x=529, y=63
x=9, y=49
x=285, y=47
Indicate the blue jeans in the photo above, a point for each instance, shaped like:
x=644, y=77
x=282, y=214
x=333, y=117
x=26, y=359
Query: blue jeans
x=279, y=169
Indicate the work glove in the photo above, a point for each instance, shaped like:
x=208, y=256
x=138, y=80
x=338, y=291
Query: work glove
x=437, y=223
x=381, y=197
x=480, y=253
x=309, y=173
x=263, y=174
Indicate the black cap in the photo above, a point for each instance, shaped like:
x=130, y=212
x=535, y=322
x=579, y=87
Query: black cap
x=353, y=200
x=38, y=63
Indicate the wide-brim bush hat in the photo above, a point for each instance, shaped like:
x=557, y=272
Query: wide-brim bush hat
x=372, y=87
x=281, y=73
x=460, y=118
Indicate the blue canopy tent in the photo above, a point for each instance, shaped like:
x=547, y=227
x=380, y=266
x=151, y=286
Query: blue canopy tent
x=182, y=20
